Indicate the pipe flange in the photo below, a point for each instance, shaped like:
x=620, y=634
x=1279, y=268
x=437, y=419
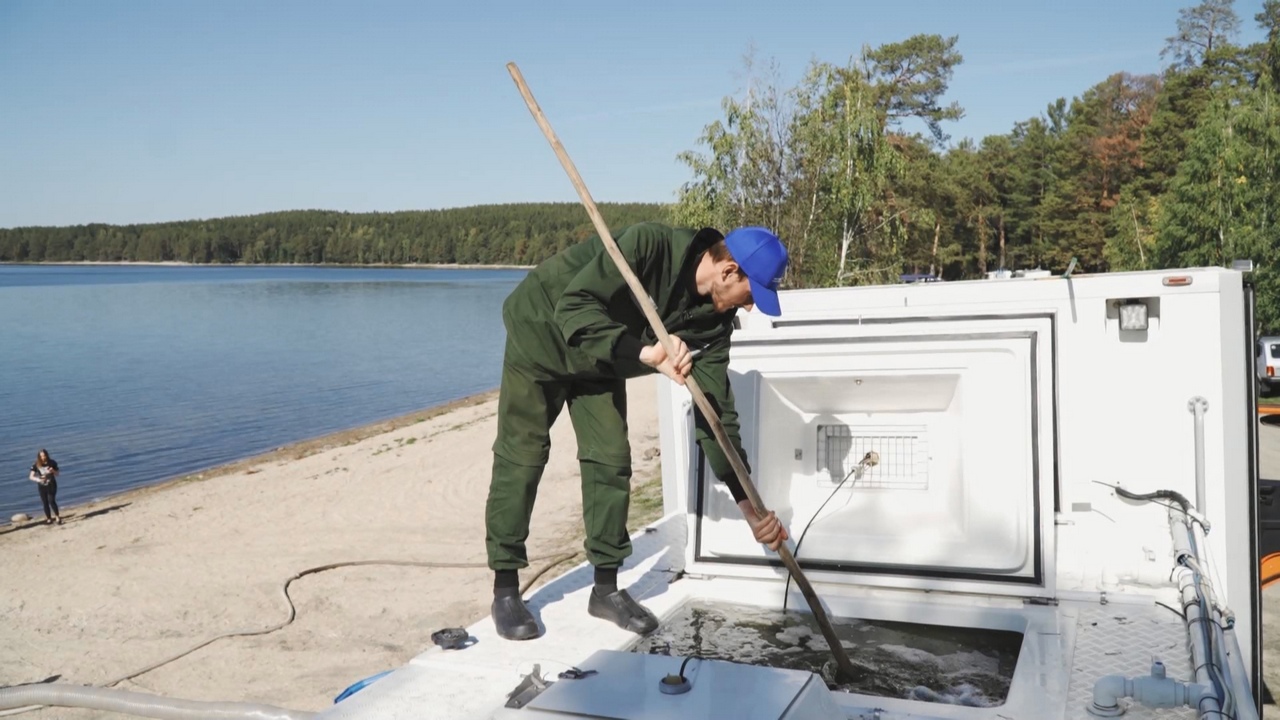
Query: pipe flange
x=1110, y=711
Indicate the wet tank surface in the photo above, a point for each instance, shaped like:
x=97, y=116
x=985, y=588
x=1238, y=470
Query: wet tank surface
x=960, y=666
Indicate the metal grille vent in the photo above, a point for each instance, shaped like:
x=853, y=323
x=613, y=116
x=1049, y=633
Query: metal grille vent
x=904, y=456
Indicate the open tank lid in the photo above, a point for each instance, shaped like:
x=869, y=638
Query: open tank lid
x=915, y=453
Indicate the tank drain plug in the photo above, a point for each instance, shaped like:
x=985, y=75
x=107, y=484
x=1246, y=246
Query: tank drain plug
x=674, y=685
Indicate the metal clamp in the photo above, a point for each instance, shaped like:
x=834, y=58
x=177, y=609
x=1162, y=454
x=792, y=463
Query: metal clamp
x=574, y=673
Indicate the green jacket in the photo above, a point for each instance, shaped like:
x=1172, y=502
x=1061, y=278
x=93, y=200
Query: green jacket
x=573, y=316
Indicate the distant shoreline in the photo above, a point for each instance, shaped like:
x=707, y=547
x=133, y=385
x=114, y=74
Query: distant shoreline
x=288, y=452
x=178, y=263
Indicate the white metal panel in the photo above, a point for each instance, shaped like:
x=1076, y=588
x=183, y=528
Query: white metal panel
x=961, y=415
x=625, y=686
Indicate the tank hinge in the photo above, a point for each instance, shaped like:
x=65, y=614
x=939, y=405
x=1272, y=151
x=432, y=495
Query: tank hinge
x=1040, y=601
x=529, y=688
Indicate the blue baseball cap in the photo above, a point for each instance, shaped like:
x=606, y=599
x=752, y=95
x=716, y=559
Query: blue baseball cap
x=763, y=260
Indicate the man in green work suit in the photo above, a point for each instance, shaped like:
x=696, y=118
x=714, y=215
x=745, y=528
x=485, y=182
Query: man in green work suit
x=574, y=336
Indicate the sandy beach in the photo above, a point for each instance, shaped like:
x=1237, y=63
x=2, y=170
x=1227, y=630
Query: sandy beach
x=142, y=576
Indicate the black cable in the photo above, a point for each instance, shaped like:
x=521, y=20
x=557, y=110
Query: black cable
x=1215, y=672
x=686, y=662
x=1165, y=504
x=1154, y=497
x=786, y=590
x=284, y=591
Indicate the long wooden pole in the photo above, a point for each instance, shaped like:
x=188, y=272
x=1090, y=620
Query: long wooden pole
x=844, y=668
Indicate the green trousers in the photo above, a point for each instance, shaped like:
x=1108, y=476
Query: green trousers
x=529, y=402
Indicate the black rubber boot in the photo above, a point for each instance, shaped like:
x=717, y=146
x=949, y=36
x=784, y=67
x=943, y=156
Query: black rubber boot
x=621, y=610
x=512, y=619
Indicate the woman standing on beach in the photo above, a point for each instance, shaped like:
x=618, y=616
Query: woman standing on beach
x=44, y=472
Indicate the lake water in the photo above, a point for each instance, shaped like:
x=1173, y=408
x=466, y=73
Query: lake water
x=129, y=375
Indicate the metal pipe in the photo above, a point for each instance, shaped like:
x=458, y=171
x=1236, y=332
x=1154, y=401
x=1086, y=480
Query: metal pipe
x=1220, y=644
x=127, y=702
x=1238, y=677
x=1153, y=691
x=1221, y=624
x=1255, y=531
x=1210, y=706
x=1219, y=677
x=1191, y=599
x=1199, y=406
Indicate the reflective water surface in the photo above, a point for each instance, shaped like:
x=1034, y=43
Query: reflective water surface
x=960, y=666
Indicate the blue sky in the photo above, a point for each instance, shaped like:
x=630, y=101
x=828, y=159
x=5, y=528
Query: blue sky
x=127, y=112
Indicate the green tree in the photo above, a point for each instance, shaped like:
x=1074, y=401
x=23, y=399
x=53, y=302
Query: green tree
x=848, y=130
x=516, y=233
x=1202, y=29
x=911, y=77
x=818, y=162
x=743, y=181
x=1222, y=202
